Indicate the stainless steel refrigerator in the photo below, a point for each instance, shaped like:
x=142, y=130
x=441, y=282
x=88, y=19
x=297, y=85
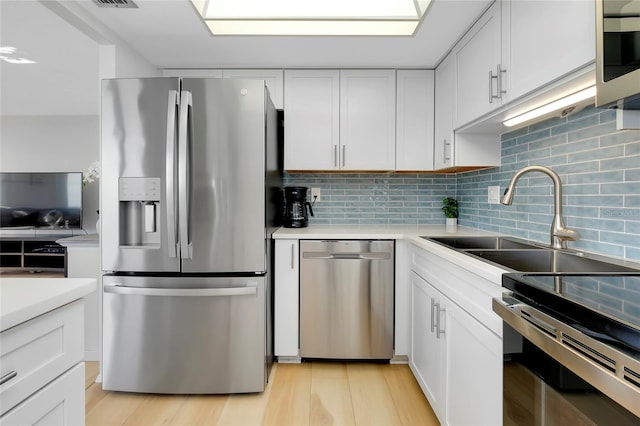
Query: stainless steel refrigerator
x=188, y=203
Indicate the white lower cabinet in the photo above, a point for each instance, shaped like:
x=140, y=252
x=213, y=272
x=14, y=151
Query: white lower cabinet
x=474, y=371
x=286, y=299
x=60, y=402
x=427, y=357
x=42, y=370
x=84, y=262
x=456, y=359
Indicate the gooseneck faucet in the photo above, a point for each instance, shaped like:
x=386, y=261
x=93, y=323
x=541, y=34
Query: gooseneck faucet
x=559, y=234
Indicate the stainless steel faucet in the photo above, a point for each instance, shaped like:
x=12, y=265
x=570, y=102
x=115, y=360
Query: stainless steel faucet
x=559, y=233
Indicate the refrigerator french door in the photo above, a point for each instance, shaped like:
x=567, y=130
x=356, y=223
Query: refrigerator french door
x=187, y=167
x=183, y=175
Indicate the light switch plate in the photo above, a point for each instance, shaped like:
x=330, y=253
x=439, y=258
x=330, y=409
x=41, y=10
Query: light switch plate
x=493, y=195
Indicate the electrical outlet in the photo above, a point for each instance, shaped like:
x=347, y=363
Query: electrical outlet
x=315, y=194
x=493, y=195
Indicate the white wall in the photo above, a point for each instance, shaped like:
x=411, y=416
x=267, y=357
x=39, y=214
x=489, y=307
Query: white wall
x=52, y=144
x=53, y=131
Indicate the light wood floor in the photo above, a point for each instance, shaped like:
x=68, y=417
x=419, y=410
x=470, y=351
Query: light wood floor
x=297, y=394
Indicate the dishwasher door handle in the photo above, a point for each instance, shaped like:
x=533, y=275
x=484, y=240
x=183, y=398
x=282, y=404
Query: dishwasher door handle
x=347, y=256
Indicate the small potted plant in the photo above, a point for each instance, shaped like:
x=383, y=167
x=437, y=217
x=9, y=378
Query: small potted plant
x=450, y=209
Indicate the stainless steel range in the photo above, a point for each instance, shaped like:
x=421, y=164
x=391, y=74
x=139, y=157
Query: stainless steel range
x=581, y=335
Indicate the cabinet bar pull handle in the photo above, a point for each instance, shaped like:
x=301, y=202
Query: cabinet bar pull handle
x=439, y=330
x=4, y=379
x=444, y=151
x=490, y=86
x=499, y=73
x=344, y=155
x=292, y=249
x=335, y=156
x=433, y=323
x=497, y=79
x=445, y=157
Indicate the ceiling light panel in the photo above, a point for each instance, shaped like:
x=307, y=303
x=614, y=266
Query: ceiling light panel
x=296, y=9
x=309, y=28
x=328, y=17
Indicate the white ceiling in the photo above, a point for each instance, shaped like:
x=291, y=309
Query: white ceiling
x=65, y=78
x=170, y=34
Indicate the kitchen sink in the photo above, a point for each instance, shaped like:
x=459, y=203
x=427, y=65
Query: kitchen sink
x=484, y=243
x=548, y=261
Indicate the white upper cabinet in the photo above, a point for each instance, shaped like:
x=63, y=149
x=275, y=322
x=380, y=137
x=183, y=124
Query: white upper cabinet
x=479, y=70
x=445, y=98
x=518, y=47
x=273, y=78
x=312, y=119
x=544, y=40
x=414, y=120
x=367, y=119
x=339, y=120
x=454, y=150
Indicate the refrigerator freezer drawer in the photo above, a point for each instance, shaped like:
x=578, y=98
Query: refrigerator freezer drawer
x=184, y=335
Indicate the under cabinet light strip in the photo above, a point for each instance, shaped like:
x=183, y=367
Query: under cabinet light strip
x=551, y=107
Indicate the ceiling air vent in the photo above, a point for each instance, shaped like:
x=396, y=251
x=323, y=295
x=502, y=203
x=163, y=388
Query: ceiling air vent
x=115, y=3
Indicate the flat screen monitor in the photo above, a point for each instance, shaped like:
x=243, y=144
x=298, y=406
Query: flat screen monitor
x=41, y=200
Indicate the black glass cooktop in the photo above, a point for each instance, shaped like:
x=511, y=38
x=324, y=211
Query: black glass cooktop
x=605, y=306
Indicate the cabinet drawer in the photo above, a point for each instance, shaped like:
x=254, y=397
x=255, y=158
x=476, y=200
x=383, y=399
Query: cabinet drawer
x=38, y=351
x=61, y=402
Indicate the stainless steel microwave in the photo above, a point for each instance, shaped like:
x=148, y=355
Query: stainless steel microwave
x=618, y=53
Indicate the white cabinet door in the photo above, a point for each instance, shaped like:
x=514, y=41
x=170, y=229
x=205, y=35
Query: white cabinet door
x=427, y=357
x=451, y=149
x=367, y=119
x=84, y=262
x=535, y=31
x=474, y=371
x=39, y=350
x=60, y=402
x=478, y=60
x=273, y=78
x=414, y=121
x=445, y=98
x=286, y=298
x=312, y=114
x=402, y=314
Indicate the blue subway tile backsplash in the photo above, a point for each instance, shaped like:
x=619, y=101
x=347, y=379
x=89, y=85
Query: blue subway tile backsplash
x=599, y=167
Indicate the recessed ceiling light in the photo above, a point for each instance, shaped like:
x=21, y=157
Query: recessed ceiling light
x=9, y=54
x=327, y=17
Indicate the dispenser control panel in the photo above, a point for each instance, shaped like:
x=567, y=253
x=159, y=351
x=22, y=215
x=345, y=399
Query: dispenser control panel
x=139, y=189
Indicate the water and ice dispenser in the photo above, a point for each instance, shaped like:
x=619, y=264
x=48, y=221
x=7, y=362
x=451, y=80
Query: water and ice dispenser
x=139, y=211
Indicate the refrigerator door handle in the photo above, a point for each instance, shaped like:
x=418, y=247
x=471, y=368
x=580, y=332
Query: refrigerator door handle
x=182, y=292
x=184, y=134
x=173, y=106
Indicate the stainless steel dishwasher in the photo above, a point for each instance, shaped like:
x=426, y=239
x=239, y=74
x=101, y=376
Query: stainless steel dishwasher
x=346, y=299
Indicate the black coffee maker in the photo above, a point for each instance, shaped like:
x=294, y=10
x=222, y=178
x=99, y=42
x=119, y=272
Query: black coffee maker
x=296, y=205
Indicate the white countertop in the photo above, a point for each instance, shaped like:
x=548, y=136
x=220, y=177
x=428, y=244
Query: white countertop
x=89, y=240
x=411, y=233
x=22, y=299
x=373, y=231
